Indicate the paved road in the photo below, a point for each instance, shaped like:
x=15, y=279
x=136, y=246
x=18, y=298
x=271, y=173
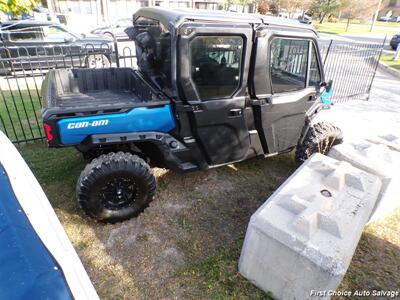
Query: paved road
x=373, y=38
x=378, y=116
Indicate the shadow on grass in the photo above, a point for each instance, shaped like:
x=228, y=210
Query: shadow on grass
x=375, y=266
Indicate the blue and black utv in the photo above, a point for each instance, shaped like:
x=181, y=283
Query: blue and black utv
x=211, y=88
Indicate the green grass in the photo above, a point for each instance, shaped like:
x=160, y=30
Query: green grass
x=340, y=28
x=388, y=24
x=219, y=277
x=209, y=232
x=388, y=60
x=20, y=115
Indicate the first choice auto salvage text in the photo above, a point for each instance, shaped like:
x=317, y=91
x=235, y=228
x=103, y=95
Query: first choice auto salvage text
x=356, y=293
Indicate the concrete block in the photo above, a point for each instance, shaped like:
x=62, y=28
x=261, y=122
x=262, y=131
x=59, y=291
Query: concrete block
x=378, y=159
x=303, y=237
x=390, y=140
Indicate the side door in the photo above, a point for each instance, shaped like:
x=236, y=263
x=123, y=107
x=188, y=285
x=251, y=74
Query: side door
x=286, y=83
x=212, y=79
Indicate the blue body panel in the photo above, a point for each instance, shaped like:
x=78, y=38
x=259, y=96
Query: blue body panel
x=74, y=130
x=28, y=271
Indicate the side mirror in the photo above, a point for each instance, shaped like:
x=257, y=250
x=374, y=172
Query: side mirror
x=327, y=85
x=83, y=35
x=117, y=26
x=68, y=39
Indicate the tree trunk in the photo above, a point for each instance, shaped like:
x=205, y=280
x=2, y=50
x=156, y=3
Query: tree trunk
x=322, y=18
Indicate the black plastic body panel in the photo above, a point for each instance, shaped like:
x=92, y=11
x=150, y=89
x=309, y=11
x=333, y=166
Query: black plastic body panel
x=77, y=92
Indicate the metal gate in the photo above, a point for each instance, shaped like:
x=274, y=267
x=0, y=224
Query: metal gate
x=22, y=71
x=351, y=66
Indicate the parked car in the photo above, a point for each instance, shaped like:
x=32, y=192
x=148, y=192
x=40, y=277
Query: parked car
x=395, y=41
x=116, y=29
x=27, y=45
x=212, y=88
x=384, y=19
x=395, y=19
x=39, y=13
x=305, y=19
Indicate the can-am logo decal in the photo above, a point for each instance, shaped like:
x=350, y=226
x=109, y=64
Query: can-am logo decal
x=95, y=123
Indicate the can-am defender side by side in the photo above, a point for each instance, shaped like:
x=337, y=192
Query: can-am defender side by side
x=211, y=88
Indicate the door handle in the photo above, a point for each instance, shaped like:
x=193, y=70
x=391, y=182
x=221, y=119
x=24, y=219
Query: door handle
x=235, y=112
x=312, y=97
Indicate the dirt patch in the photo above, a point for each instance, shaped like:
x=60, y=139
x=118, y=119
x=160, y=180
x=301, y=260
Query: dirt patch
x=187, y=243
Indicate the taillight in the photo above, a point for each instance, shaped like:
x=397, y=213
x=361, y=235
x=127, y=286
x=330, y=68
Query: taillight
x=47, y=129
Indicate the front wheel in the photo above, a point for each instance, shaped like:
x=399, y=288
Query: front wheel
x=115, y=187
x=320, y=138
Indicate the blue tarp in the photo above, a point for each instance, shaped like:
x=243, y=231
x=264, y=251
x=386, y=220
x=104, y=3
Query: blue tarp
x=27, y=269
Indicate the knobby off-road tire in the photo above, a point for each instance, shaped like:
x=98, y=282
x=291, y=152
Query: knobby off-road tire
x=115, y=187
x=320, y=138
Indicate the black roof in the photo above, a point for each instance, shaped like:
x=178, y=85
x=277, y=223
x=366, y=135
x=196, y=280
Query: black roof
x=10, y=24
x=177, y=16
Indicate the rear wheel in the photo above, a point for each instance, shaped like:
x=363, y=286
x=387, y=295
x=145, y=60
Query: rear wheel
x=320, y=138
x=97, y=61
x=115, y=187
x=109, y=35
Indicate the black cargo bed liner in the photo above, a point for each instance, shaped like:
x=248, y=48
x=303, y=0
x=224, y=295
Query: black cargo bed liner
x=92, y=91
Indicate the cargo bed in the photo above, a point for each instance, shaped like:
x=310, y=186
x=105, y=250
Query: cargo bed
x=93, y=91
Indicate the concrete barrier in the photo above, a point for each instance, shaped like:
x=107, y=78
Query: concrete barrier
x=390, y=140
x=378, y=159
x=302, y=239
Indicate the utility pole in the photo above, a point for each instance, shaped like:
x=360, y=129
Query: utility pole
x=378, y=8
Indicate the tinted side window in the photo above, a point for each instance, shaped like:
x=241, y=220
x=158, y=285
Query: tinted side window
x=216, y=65
x=288, y=64
x=315, y=72
x=25, y=34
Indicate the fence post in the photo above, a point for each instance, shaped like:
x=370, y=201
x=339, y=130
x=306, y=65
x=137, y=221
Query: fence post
x=376, y=66
x=116, y=51
x=327, y=51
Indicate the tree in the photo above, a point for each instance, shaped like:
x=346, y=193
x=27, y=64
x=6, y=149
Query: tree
x=325, y=8
x=358, y=9
x=17, y=7
x=292, y=5
x=263, y=7
x=267, y=6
